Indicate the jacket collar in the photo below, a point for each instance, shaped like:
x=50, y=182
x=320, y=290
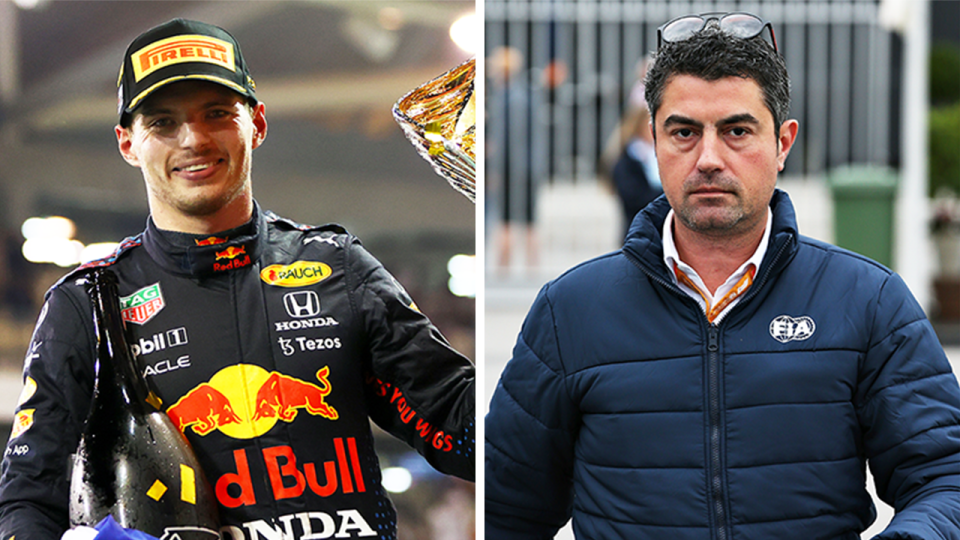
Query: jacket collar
x=645, y=244
x=199, y=255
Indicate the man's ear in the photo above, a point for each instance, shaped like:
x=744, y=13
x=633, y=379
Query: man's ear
x=788, y=134
x=125, y=145
x=259, y=124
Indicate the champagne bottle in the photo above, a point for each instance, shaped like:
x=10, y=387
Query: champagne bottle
x=132, y=463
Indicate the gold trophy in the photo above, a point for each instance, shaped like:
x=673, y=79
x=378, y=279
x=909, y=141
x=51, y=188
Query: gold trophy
x=439, y=118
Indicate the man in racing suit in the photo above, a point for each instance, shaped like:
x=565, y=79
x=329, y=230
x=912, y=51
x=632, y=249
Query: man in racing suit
x=270, y=344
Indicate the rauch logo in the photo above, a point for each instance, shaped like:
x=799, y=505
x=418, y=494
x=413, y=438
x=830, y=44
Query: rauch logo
x=298, y=274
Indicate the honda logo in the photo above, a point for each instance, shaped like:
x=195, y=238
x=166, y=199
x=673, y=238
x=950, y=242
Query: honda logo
x=302, y=304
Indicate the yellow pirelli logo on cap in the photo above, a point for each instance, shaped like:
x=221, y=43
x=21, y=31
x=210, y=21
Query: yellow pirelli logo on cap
x=179, y=49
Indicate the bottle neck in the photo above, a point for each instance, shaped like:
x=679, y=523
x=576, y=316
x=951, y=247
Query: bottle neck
x=117, y=373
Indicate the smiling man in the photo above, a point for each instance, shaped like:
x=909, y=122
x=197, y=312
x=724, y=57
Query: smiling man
x=193, y=141
x=271, y=344
x=722, y=376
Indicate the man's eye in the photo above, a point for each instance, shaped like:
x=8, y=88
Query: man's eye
x=683, y=133
x=739, y=132
x=161, y=123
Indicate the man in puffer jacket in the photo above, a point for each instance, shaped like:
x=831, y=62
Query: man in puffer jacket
x=721, y=376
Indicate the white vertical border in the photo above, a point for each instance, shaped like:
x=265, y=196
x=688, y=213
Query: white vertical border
x=481, y=265
x=913, y=256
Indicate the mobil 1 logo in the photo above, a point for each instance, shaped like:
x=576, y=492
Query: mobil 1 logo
x=160, y=341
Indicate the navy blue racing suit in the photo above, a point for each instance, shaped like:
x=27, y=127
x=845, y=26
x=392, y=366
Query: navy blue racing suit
x=271, y=346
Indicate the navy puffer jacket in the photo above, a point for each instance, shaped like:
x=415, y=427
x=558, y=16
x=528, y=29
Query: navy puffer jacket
x=625, y=409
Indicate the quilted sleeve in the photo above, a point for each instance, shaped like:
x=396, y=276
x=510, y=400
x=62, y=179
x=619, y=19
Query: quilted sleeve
x=530, y=434
x=910, y=416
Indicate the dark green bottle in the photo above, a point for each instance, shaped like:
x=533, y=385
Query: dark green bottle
x=132, y=462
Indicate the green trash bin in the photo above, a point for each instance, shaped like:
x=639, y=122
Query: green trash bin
x=863, y=198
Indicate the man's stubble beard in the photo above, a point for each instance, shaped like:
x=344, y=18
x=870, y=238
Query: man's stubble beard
x=202, y=206
x=718, y=219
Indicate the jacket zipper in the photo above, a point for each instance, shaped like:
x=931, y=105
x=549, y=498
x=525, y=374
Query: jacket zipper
x=713, y=400
x=713, y=403
x=713, y=387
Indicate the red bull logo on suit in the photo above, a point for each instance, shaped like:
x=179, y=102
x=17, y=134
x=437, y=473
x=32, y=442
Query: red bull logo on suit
x=232, y=257
x=246, y=401
x=282, y=396
x=288, y=478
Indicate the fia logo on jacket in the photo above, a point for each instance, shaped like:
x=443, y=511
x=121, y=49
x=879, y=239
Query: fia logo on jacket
x=786, y=328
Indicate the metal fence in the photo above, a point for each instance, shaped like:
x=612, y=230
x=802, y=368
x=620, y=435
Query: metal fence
x=576, y=61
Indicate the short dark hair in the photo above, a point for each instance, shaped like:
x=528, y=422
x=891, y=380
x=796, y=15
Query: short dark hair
x=712, y=55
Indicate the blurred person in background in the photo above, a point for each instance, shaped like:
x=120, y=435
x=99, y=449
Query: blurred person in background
x=722, y=376
x=239, y=297
x=628, y=161
x=508, y=174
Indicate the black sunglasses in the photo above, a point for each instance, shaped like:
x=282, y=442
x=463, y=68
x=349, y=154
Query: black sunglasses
x=737, y=24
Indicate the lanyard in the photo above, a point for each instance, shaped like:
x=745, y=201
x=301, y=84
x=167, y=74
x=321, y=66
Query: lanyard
x=734, y=293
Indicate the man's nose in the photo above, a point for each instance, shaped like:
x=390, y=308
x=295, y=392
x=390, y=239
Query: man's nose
x=193, y=135
x=711, y=153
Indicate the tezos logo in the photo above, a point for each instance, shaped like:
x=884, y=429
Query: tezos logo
x=786, y=328
x=142, y=305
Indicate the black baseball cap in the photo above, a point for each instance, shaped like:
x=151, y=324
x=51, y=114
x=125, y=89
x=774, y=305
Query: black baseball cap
x=180, y=50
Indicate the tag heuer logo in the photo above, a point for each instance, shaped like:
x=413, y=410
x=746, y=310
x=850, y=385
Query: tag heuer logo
x=142, y=305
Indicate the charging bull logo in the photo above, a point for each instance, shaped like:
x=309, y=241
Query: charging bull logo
x=231, y=252
x=281, y=396
x=246, y=401
x=211, y=241
x=204, y=409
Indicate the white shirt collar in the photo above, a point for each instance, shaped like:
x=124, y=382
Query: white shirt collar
x=671, y=257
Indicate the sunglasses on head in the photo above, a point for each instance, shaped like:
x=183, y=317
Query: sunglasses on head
x=737, y=24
